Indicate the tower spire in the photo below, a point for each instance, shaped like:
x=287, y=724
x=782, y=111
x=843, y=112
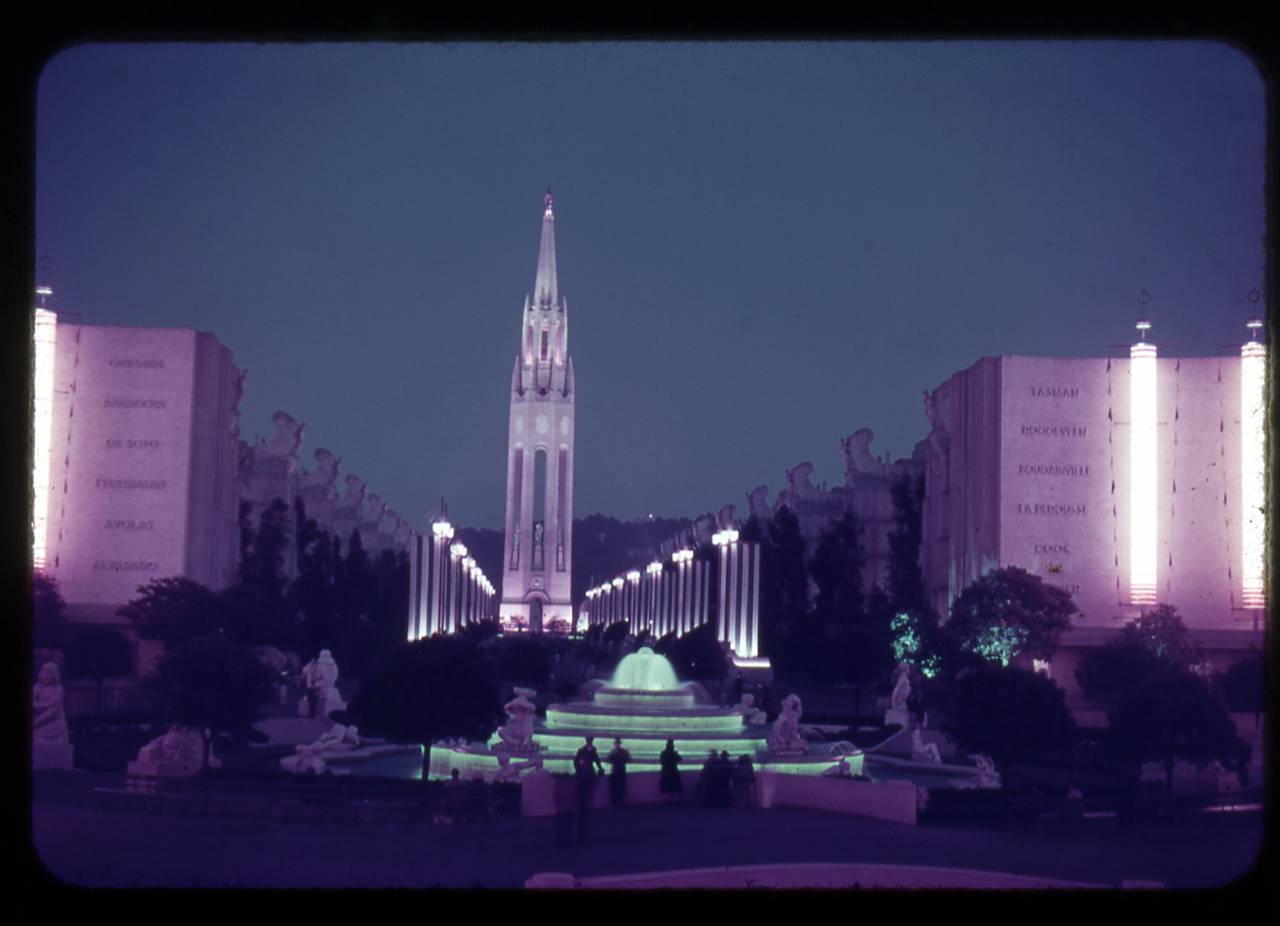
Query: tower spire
x=545, y=294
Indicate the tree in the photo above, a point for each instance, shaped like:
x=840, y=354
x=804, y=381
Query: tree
x=174, y=610
x=523, y=660
x=262, y=566
x=697, y=655
x=1242, y=685
x=431, y=688
x=784, y=582
x=1007, y=713
x=1008, y=612
x=1155, y=642
x=906, y=579
x=100, y=653
x=615, y=633
x=213, y=685
x=1170, y=716
x=837, y=571
x=47, y=612
x=480, y=631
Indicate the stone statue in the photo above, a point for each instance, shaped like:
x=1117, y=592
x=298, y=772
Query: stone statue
x=287, y=439
x=321, y=677
x=922, y=751
x=321, y=479
x=338, y=738
x=306, y=760
x=840, y=770
x=509, y=771
x=354, y=496
x=798, y=479
x=758, y=504
x=374, y=509
x=389, y=523
x=703, y=528
x=858, y=458
x=988, y=777
x=178, y=746
x=901, y=690
x=404, y=531
x=751, y=713
x=48, y=720
x=724, y=519
x=786, y=738
x=517, y=733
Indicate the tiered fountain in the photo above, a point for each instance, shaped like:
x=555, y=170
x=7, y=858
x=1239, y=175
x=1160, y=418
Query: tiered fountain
x=644, y=705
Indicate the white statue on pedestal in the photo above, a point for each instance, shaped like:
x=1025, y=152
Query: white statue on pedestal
x=922, y=751
x=897, y=712
x=751, y=713
x=988, y=777
x=786, y=738
x=339, y=738
x=517, y=733
x=840, y=770
x=321, y=677
x=307, y=760
x=48, y=720
x=178, y=746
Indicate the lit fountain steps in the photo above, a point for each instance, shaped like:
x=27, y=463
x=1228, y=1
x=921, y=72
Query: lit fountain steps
x=644, y=705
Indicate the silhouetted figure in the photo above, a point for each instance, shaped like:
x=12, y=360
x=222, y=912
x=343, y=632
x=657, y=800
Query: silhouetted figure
x=618, y=759
x=722, y=781
x=669, y=779
x=451, y=799
x=586, y=765
x=564, y=798
x=737, y=689
x=744, y=782
x=705, y=788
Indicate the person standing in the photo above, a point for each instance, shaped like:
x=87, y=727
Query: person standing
x=618, y=759
x=744, y=782
x=586, y=765
x=669, y=780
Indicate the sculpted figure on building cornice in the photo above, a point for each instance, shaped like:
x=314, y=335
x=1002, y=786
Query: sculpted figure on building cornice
x=320, y=481
x=285, y=442
x=354, y=497
x=858, y=458
x=757, y=501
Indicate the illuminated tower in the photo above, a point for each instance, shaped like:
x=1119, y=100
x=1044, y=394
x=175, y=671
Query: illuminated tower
x=46, y=342
x=1253, y=474
x=1142, y=469
x=537, y=553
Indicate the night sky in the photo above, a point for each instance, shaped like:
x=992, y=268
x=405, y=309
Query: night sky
x=763, y=246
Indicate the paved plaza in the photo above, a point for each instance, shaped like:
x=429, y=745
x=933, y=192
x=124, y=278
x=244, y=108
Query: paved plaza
x=140, y=849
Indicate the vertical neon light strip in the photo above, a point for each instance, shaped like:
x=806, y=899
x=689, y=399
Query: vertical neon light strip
x=1253, y=494
x=46, y=340
x=1142, y=474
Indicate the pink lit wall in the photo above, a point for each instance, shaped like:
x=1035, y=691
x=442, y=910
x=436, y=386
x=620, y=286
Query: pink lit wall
x=143, y=474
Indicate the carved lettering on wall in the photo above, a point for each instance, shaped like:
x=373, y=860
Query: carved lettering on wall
x=155, y=404
x=1047, y=548
x=136, y=364
x=130, y=443
x=1050, y=509
x=1052, y=469
x=1054, y=430
x=131, y=483
x=1055, y=392
x=122, y=565
x=128, y=524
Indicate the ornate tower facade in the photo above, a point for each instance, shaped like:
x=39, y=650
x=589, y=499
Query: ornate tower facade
x=538, y=549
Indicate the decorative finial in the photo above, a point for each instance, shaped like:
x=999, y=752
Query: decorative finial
x=43, y=293
x=547, y=200
x=1143, y=327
